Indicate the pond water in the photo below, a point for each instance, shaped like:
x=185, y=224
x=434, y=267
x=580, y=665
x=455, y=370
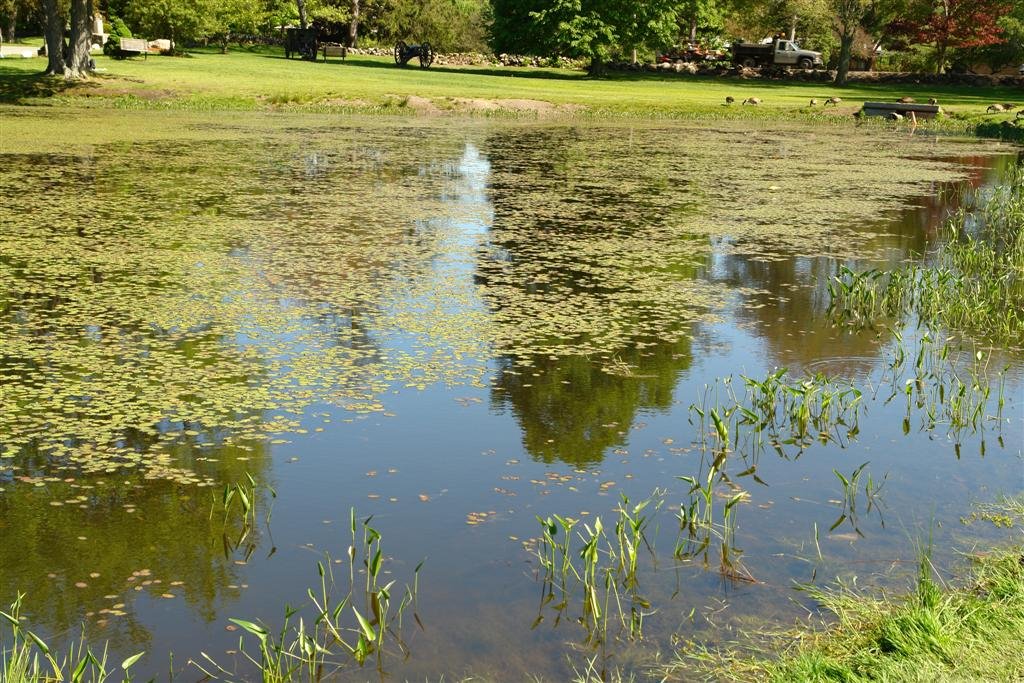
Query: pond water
x=457, y=327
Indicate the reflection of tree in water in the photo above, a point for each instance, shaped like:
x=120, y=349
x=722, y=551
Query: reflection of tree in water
x=575, y=408
x=569, y=270
x=121, y=537
x=791, y=318
x=126, y=325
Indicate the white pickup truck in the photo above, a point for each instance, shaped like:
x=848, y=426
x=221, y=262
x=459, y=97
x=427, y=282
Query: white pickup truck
x=778, y=52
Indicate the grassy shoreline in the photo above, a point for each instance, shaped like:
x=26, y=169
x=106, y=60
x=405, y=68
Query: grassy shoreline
x=260, y=79
x=971, y=630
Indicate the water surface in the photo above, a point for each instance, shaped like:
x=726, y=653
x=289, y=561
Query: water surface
x=455, y=329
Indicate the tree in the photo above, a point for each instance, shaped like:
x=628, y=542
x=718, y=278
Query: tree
x=233, y=17
x=1010, y=51
x=54, y=35
x=594, y=29
x=445, y=24
x=353, y=24
x=808, y=20
x=10, y=12
x=877, y=21
x=695, y=15
x=848, y=17
x=79, y=62
x=176, y=20
x=514, y=28
x=950, y=24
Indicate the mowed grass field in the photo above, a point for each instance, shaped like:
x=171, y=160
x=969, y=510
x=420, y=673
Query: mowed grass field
x=262, y=77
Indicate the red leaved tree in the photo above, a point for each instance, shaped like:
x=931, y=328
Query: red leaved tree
x=951, y=23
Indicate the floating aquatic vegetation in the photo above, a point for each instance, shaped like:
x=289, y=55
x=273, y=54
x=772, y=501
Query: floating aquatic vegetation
x=211, y=298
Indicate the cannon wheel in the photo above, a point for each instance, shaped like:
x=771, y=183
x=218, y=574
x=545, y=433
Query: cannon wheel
x=426, y=55
x=308, y=51
x=399, y=53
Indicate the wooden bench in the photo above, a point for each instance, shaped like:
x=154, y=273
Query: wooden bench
x=921, y=111
x=133, y=46
x=334, y=51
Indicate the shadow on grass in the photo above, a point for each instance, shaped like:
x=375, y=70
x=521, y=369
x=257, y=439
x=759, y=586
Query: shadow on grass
x=498, y=72
x=16, y=86
x=954, y=94
x=857, y=90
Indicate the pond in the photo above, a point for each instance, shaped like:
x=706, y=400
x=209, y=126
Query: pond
x=458, y=327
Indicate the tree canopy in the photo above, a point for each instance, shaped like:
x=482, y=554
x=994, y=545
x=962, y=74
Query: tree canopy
x=938, y=32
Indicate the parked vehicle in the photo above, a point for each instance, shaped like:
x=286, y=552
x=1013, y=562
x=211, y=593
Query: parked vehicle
x=778, y=52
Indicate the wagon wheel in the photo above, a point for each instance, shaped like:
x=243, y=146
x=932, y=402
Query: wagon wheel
x=399, y=53
x=426, y=55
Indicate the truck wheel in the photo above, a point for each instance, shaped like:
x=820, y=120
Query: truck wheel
x=750, y=63
x=806, y=64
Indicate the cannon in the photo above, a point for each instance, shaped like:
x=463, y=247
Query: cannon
x=403, y=53
x=303, y=42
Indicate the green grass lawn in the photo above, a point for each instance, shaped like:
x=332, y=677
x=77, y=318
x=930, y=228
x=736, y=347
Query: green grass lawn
x=258, y=78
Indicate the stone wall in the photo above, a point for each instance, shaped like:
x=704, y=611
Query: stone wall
x=728, y=70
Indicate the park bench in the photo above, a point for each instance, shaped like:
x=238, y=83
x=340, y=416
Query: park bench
x=334, y=51
x=921, y=111
x=133, y=46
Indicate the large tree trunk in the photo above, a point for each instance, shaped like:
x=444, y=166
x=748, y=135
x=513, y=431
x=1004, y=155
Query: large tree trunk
x=81, y=39
x=54, y=38
x=693, y=30
x=845, y=50
x=792, y=27
x=353, y=25
x=12, y=25
x=302, y=13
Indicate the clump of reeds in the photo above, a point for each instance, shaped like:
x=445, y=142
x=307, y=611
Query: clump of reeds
x=974, y=282
x=351, y=629
x=780, y=411
x=599, y=567
x=26, y=658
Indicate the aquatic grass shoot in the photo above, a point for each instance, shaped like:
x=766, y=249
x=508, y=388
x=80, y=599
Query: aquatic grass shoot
x=331, y=633
x=598, y=567
x=851, y=496
x=974, y=282
x=26, y=658
x=780, y=411
x=950, y=384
